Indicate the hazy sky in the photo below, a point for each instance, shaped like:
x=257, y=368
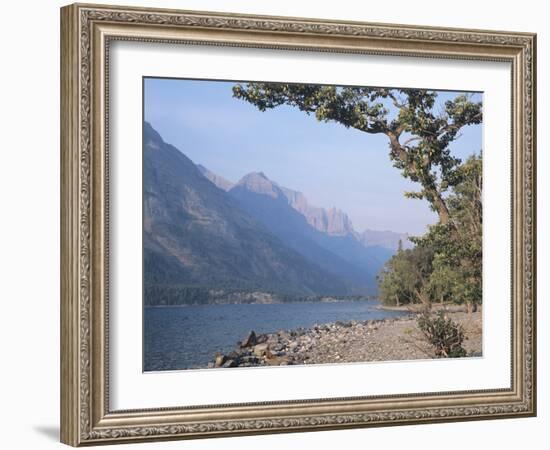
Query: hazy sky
x=332, y=165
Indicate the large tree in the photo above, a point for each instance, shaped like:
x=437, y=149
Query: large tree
x=446, y=263
x=419, y=130
x=458, y=252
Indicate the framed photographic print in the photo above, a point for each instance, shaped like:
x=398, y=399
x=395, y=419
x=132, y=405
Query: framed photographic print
x=275, y=224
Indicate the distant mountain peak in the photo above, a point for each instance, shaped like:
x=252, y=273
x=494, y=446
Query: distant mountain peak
x=152, y=138
x=338, y=222
x=259, y=183
x=252, y=176
x=332, y=221
x=218, y=180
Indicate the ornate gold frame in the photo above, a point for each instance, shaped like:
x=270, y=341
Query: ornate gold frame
x=86, y=31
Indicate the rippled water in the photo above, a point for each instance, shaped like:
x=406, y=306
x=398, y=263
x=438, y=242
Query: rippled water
x=183, y=337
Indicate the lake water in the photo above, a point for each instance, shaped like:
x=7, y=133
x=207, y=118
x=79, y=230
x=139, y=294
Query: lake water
x=182, y=337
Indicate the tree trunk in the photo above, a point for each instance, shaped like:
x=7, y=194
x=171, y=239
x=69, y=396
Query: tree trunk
x=437, y=200
x=424, y=299
x=441, y=208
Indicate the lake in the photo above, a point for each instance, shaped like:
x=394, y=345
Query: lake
x=188, y=336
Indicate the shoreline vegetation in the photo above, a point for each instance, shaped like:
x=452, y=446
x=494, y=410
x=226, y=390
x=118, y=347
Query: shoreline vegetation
x=390, y=339
x=417, y=308
x=181, y=296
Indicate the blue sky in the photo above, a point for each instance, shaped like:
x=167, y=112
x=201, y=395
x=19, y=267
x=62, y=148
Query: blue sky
x=332, y=165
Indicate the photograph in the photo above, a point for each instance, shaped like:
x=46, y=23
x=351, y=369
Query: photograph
x=288, y=221
x=302, y=224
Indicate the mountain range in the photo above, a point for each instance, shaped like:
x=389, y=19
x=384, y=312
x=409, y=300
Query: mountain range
x=332, y=221
x=203, y=235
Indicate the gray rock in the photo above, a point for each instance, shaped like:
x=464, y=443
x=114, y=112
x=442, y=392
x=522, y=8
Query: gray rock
x=260, y=339
x=284, y=335
x=220, y=360
x=277, y=361
x=250, y=340
x=249, y=359
x=229, y=363
x=234, y=354
x=260, y=349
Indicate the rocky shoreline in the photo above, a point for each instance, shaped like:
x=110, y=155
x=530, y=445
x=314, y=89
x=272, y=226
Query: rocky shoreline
x=390, y=339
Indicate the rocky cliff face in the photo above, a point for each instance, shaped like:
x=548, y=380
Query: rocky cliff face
x=332, y=221
x=195, y=234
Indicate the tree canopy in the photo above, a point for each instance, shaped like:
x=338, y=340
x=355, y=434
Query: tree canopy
x=419, y=131
x=446, y=263
x=457, y=264
x=404, y=279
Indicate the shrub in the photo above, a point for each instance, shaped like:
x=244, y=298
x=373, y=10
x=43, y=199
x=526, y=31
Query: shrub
x=443, y=334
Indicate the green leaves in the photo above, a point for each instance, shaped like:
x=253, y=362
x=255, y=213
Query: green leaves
x=443, y=334
x=446, y=264
x=457, y=263
x=351, y=106
x=405, y=277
